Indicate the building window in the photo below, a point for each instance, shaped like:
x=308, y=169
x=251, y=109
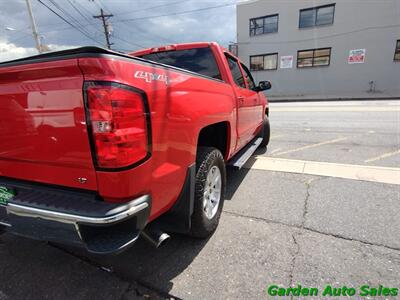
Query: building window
x=264, y=62
x=397, y=51
x=263, y=25
x=313, y=58
x=316, y=16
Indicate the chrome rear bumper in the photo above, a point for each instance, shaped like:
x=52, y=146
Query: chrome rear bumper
x=73, y=217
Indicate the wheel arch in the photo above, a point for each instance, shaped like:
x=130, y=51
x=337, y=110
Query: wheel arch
x=216, y=135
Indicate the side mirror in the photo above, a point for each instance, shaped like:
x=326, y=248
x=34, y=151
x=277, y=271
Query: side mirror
x=264, y=85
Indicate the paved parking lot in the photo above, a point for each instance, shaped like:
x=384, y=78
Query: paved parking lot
x=286, y=221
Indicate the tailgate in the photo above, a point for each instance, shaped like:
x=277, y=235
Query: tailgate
x=43, y=133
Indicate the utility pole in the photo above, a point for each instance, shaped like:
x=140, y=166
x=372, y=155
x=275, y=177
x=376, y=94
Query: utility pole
x=34, y=28
x=106, y=25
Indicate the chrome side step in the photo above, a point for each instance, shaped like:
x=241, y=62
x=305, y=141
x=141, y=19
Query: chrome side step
x=243, y=155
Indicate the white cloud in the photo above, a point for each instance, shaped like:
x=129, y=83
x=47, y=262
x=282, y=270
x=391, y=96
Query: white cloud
x=10, y=51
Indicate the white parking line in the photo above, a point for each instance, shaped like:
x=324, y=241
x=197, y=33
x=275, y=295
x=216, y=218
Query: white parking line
x=385, y=155
x=312, y=146
x=277, y=136
x=356, y=172
x=275, y=150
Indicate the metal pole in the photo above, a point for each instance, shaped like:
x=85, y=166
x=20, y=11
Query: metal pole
x=34, y=28
x=104, y=17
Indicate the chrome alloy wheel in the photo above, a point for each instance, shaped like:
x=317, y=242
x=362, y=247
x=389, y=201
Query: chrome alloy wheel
x=212, y=192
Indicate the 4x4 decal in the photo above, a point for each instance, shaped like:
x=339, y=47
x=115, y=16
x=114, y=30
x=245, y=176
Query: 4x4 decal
x=150, y=77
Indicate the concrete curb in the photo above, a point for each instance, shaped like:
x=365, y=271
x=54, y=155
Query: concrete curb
x=347, y=171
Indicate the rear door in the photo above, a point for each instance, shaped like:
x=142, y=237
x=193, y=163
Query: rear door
x=258, y=104
x=247, y=101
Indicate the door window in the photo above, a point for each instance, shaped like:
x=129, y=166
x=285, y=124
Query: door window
x=249, y=78
x=236, y=72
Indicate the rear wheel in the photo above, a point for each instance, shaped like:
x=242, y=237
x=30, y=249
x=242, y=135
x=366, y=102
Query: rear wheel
x=209, y=191
x=265, y=132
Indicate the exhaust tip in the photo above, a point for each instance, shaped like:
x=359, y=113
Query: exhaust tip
x=155, y=237
x=163, y=239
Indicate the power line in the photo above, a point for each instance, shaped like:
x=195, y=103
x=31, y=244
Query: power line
x=177, y=13
x=163, y=15
x=128, y=42
x=151, y=17
x=152, y=7
x=86, y=18
x=89, y=15
x=66, y=21
x=73, y=19
x=127, y=28
x=73, y=27
x=100, y=5
x=78, y=11
x=62, y=10
x=118, y=37
x=97, y=4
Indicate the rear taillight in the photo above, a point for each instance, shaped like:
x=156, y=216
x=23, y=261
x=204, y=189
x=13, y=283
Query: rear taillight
x=118, y=123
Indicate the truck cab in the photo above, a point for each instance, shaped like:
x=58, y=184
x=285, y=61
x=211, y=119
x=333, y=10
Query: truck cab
x=212, y=60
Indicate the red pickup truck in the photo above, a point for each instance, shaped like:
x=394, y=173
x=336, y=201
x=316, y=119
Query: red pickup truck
x=98, y=147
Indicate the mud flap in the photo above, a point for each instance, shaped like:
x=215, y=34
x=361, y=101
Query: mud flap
x=178, y=218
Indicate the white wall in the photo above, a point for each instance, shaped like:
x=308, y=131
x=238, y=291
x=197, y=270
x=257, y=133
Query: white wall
x=373, y=25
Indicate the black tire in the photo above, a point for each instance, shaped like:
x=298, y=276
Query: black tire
x=207, y=158
x=265, y=133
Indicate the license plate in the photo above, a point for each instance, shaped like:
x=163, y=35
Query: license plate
x=6, y=194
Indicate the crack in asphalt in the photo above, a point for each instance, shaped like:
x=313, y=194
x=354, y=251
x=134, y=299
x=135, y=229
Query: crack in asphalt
x=131, y=285
x=293, y=262
x=260, y=219
x=303, y=221
x=351, y=239
x=305, y=207
x=311, y=230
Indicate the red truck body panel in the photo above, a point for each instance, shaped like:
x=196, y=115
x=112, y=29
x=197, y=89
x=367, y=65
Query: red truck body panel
x=44, y=132
x=178, y=111
x=42, y=129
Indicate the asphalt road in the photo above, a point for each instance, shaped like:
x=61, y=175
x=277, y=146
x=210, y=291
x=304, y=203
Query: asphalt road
x=286, y=221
